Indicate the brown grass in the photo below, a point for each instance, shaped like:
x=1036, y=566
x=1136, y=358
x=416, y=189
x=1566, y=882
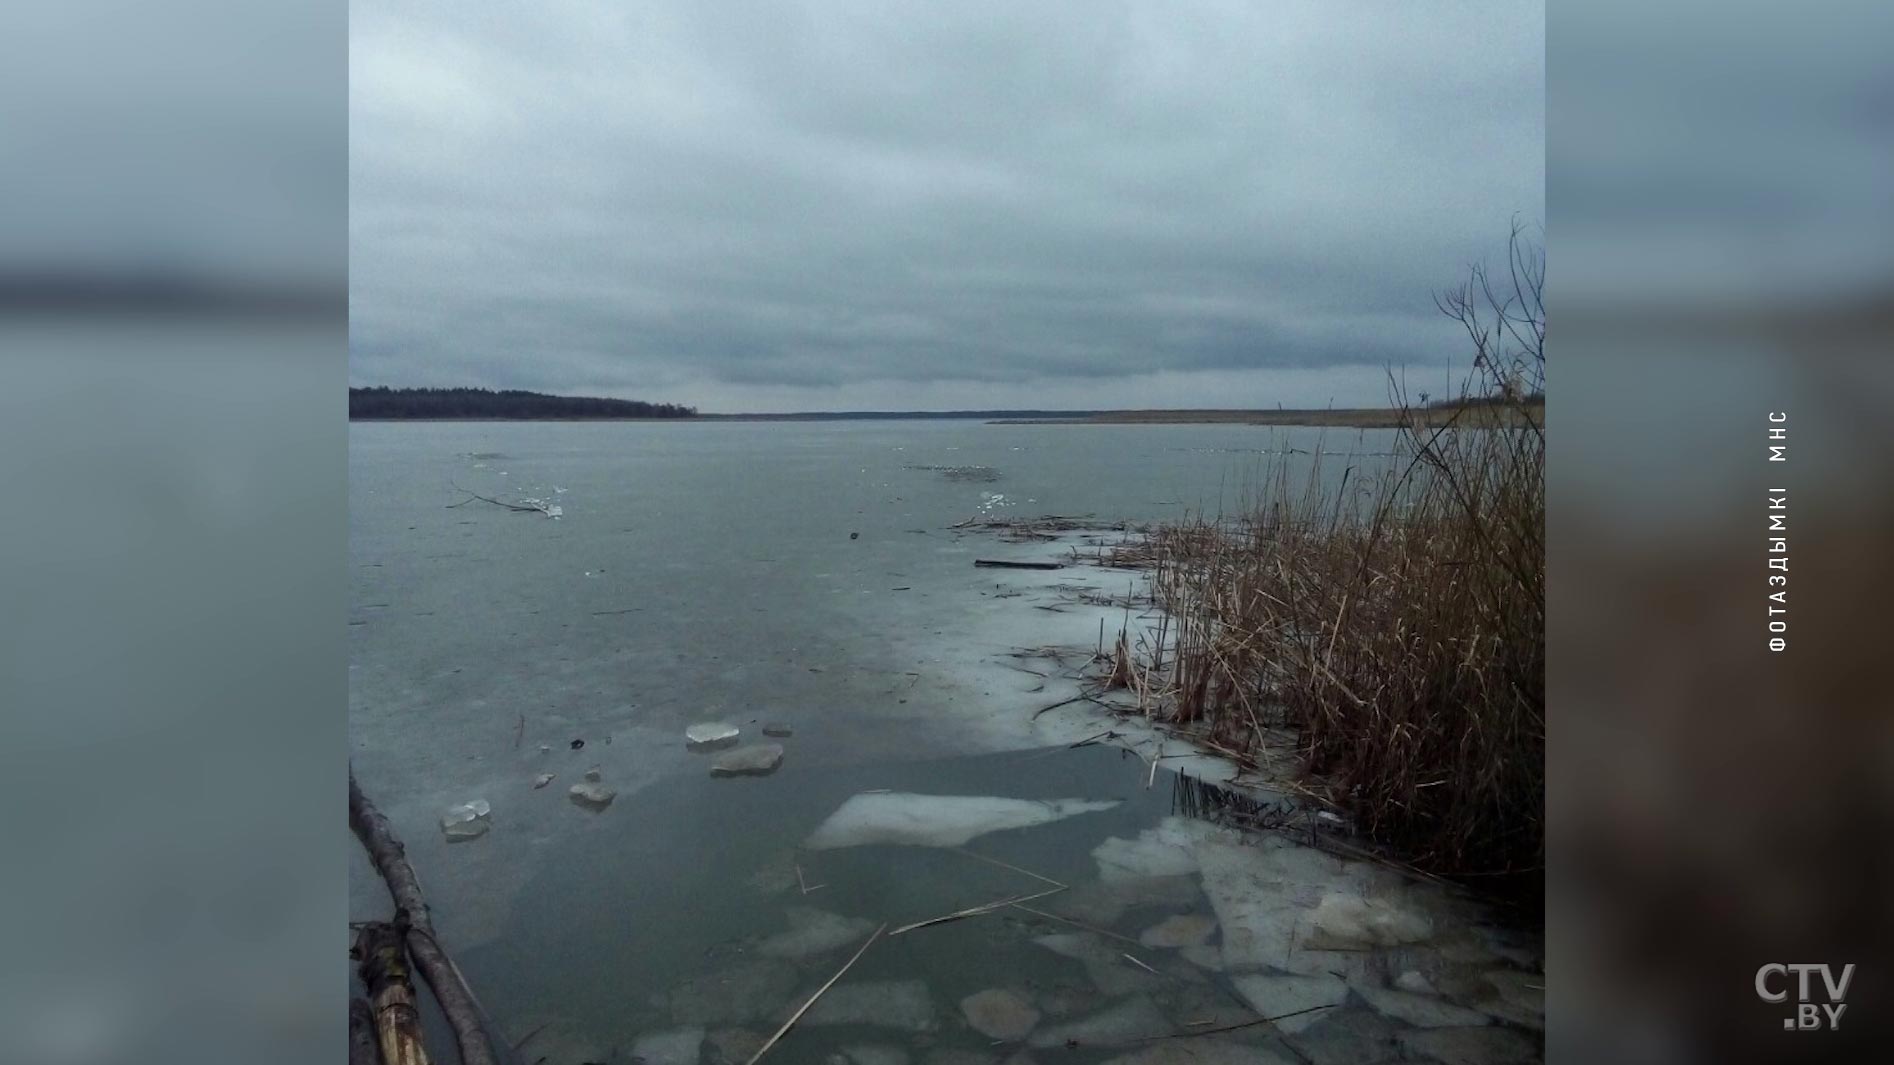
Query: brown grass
x=1395, y=622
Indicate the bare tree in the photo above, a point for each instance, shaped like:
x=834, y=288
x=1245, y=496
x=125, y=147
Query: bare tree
x=1504, y=316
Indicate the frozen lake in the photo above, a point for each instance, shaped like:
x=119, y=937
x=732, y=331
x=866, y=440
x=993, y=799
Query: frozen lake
x=809, y=575
x=708, y=569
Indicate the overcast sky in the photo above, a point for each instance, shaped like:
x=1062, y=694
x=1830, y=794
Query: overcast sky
x=932, y=205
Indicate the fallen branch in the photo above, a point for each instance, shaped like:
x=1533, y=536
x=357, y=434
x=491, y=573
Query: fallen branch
x=529, y=507
x=364, y=1049
x=796, y=1016
x=804, y=884
x=1140, y=964
x=994, y=563
x=442, y=975
x=1236, y=1027
x=528, y=1037
x=973, y=911
x=394, y=1012
x=1063, y=702
x=1009, y=865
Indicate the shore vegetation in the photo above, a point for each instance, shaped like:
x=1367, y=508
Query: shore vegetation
x=1393, y=623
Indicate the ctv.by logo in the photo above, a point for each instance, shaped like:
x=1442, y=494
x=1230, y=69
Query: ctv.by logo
x=1808, y=1016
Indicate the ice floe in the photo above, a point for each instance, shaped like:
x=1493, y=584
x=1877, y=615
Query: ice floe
x=1346, y=921
x=1105, y=901
x=937, y=820
x=1291, y=907
x=1421, y=1011
x=710, y=735
x=1261, y=894
x=955, y=1056
x=1105, y=963
x=680, y=1047
x=732, y=1046
x=871, y=1054
x=591, y=795
x=1127, y=1022
x=1211, y=1051
x=812, y=932
x=1205, y=1006
x=999, y=1014
x=1182, y=930
x=1521, y=997
x=1278, y=994
x=756, y=760
x=466, y=821
x=1470, y=1046
x=1081, y=946
x=903, y=1004
x=1161, y=851
x=1204, y=957
x=1347, y=1037
x=752, y=991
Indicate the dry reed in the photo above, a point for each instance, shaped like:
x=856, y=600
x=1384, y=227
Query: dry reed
x=1394, y=621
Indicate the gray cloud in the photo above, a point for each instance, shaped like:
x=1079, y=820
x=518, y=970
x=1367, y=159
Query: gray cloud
x=895, y=204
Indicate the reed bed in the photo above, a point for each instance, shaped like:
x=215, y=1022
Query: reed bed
x=1393, y=622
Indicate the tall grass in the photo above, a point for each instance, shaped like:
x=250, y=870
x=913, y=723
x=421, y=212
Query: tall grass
x=1394, y=622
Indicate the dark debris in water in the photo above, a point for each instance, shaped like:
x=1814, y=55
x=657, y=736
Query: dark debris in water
x=968, y=474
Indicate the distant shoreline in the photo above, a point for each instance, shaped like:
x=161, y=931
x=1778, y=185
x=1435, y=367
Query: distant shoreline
x=1479, y=415
x=1334, y=417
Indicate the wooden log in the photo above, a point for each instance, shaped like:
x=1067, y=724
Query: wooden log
x=364, y=1048
x=442, y=975
x=1002, y=564
x=396, y=1015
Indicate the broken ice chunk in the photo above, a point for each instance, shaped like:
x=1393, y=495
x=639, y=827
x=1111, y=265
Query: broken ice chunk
x=466, y=821
x=1348, y=921
x=937, y=820
x=592, y=796
x=1295, y=1001
x=756, y=760
x=1161, y=851
x=710, y=735
x=998, y=1013
x=1421, y=1011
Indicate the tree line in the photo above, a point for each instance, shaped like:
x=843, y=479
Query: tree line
x=419, y=403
